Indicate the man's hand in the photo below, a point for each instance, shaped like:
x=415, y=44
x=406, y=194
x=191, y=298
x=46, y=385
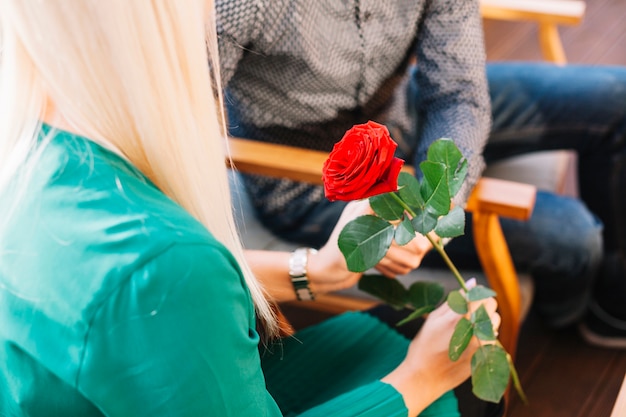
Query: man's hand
x=400, y=260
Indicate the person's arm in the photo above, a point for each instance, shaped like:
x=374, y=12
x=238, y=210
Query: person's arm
x=240, y=25
x=237, y=26
x=327, y=270
x=453, y=93
x=177, y=339
x=427, y=368
x=425, y=377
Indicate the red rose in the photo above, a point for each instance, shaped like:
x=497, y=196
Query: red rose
x=362, y=164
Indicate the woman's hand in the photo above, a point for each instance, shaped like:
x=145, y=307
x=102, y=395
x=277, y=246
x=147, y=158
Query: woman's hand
x=327, y=269
x=427, y=368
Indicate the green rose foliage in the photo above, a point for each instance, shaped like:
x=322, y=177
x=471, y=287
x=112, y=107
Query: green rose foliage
x=365, y=242
x=423, y=206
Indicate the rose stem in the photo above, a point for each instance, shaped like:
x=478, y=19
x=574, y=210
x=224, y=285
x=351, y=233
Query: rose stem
x=437, y=245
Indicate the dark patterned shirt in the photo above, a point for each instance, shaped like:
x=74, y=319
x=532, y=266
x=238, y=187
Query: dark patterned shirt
x=302, y=72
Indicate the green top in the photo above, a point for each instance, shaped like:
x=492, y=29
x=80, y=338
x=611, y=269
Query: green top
x=115, y=301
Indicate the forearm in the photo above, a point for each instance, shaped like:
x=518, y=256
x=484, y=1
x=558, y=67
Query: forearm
x=452, y=84
x=326, y=272
x=272, y=270
x=418, y=389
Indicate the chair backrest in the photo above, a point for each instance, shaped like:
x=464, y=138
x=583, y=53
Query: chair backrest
x=548, y=14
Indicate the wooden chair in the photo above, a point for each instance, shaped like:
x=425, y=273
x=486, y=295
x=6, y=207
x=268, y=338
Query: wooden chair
x=548, y=14
x=490, y=199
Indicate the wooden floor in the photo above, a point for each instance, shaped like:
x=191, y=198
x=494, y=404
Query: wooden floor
x=599, y=40
x=562, y=376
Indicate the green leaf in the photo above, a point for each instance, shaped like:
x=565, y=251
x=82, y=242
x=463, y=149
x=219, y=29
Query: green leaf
x=404, y=232
x=457, y=179
x=452, y=224
x=480, y=292
x=409, y=191
x=425, y=294
x=461, y=337
x=364, y=241
x=434, y=188
x=387, y=207
x=446, y=152
x=457, y=302
x=415, y=315
x=424, y=221
x=389, y=290
x=483, y=328
x=490, y=373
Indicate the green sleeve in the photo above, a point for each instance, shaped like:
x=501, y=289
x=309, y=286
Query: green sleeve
x=378, y=399
x=177, y=339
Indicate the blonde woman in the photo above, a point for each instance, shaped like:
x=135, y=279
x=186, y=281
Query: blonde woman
x=123, y=287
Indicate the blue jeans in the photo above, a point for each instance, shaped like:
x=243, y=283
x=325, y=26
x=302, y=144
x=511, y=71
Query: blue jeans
x=544, y=107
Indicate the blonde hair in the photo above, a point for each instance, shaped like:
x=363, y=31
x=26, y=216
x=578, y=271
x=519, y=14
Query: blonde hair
x=133, y=76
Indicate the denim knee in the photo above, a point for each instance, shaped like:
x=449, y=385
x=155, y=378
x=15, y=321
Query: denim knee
x=561, y=235
x=561, y=248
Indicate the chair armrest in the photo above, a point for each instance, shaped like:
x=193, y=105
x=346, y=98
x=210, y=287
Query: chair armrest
x=501, y=197
x=274, y=160
x=490, y=200
x=505, y=198
x=559, y=12
x=548, y=14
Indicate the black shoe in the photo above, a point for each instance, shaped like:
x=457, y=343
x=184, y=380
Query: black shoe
x=599, y=328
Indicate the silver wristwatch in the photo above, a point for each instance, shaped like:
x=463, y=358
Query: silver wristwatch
x=298, y=273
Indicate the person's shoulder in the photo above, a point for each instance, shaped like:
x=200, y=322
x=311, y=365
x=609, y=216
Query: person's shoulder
x=206, y=269
x=88, y=226
x=90, y=216
x=109, y=195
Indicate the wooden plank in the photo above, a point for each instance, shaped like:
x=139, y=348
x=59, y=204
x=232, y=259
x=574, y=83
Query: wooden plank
x=562, y=375
x=559, y=12
x=335, y=303
x=550, y=43
x=507, y=41
x=497, y=265
x=506, y=198
x=548, y=14
x=277, y=160
x=619, y=410
x=280, y=161
x=601, y=397
x=599, y=34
